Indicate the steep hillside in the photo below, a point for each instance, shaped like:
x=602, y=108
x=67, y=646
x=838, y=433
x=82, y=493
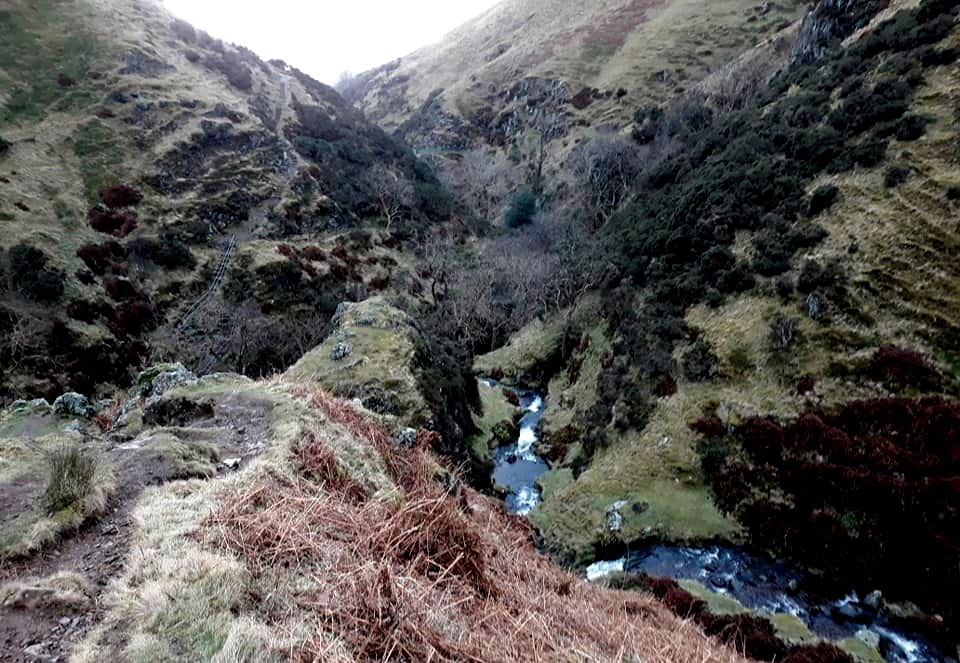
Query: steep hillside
x=777, y=364
x=530, y=72
x=647, y=49
x=269, y=521
x=145, y=165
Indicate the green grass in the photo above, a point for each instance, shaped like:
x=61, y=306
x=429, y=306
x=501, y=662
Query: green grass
x=860, y=652
x=380, y=366
x=792, y=629
x=496, y=409
x=571, y=518
x=717, y=604
x=527, y=349
x=41, y=43
x=96, y=146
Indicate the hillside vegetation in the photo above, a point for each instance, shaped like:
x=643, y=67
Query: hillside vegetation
x=148, y=166
x=720, y=240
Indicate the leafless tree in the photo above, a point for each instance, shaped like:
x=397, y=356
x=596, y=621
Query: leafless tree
x=483, y=294
x=606, y=168
x=239, y=338
x=21, y=342
x=479, y=180
x=394, y=193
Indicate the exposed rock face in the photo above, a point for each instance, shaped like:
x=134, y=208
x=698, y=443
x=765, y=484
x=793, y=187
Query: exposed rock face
x=828, y=21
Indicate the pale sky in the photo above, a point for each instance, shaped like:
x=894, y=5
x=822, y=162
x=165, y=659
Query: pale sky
x=326, y=37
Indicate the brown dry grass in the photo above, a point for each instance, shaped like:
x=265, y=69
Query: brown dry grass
x=438, y=574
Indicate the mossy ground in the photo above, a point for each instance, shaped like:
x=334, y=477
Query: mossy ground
x=717, y=604
x=517, y=362
x=496, y=410
x=379, y=367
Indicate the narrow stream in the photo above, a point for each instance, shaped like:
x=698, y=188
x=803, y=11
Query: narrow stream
x=759, y=584
x=765, y=586
x=517, y=467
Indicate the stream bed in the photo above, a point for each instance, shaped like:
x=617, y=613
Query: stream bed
x=763, y=586
x=516, y=466
x=767, y=588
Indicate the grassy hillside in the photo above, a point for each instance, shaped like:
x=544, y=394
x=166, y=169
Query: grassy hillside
x=310, y=535
x=135, y=148
x=806, y=279
x=649, y=49
x=499, y=104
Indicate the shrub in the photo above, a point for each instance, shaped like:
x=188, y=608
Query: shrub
x=231, y=66
x=859, y=492
x=111, y=223
x=184, y=31
x=169, y=252
x=953, y=193
x=740, y=360
x=709, y=427
x=137, y=317
x=72, y=472
x=121, y=290
x=895, y=176
x=666, y=386
x=900, y=368
x=938, y=57
x=83, y=311
x=912, y=127
x=831, y=279
x=101, y=258
x=823, y=199
x=31, y=277
x=120, y=195
x=784, y=287
x=522, y=209
x=700, y=362
x=806, y=384
x=783, y=334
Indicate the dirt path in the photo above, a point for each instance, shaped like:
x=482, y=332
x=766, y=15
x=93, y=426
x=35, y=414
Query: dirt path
x=98, y=550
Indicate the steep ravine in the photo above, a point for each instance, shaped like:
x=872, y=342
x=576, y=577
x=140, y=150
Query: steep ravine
x=730, y=578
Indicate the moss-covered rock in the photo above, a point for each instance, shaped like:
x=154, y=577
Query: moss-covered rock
x=371, y=356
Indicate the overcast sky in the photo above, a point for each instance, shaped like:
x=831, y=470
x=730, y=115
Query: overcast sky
x=326, y=37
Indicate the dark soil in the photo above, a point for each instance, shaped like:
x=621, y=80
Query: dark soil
x=98, y=549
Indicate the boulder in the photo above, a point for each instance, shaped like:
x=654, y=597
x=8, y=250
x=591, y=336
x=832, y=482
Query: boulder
x=613, y=519
x=874, y=600
x=158, y=379
x=36, y=406
x=73, y=404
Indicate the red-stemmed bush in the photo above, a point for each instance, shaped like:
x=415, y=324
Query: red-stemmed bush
x=867, y=493
x=900, y=368
x=100, y=258
x=120, y=195
x=110, y=222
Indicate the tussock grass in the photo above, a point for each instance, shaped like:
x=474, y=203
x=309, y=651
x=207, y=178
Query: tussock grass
x=79, y=486
x=73, y=471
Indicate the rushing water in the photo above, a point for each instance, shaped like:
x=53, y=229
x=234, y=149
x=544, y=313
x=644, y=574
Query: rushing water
x=517, y=467
x=762, y=586
x=759, y=584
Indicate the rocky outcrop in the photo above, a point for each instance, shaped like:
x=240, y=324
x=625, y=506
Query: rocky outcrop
x=371, y=356
x=830, y=21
